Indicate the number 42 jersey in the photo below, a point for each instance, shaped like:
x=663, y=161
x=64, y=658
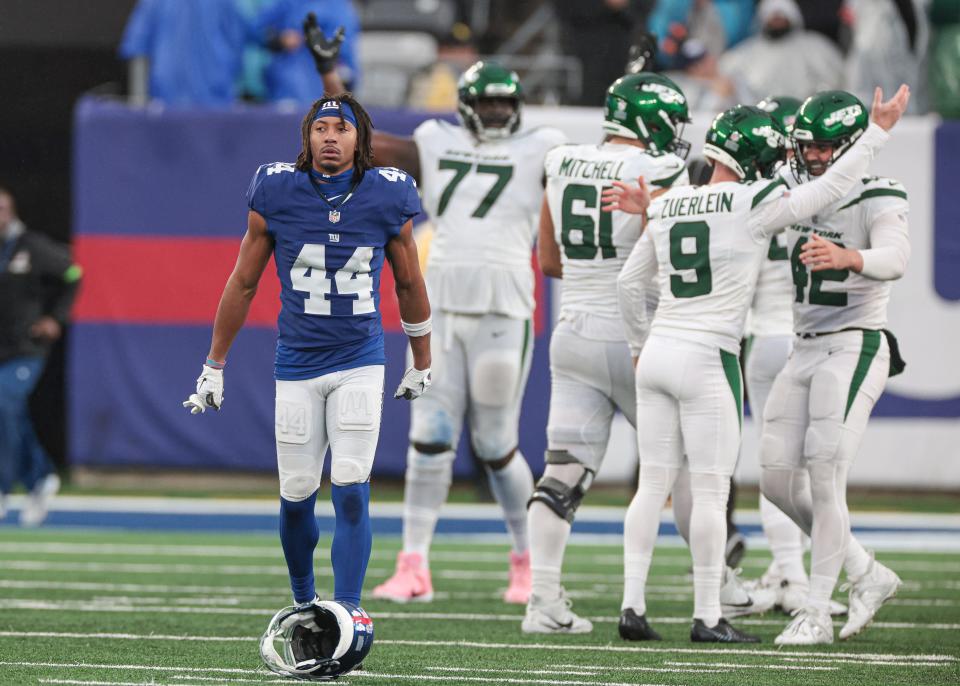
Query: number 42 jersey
x=329, y=262
x=594, y=244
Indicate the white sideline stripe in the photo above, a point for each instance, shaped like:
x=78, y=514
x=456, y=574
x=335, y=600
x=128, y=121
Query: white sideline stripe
x=140, y=588
x=581, y=671
x=80, y=606
x=721, y=666
x=461, y=679
x=153, y=668
x=792, y=656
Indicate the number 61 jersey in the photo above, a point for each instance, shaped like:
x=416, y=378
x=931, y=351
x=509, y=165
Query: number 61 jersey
x=329, y=255
x=483, y=198
x=594, y=244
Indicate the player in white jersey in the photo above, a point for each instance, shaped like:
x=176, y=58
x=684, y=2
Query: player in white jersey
x=590, y=367
x=843, y=260
x=709, y=242
x=482, y=185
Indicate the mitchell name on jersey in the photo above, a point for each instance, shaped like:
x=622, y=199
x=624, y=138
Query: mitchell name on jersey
x=595, y=244
x=329, y=264
x=835, y=299
x=483, y=198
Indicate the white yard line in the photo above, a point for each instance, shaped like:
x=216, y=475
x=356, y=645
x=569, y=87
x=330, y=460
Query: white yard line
x=127, y=637
x=580, y=671
x=81, y=606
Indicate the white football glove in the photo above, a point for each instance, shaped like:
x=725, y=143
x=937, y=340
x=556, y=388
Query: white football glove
x=414, y=383
x=209, y=391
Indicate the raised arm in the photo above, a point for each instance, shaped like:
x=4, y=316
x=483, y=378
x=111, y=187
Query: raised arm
x=414, y=310
x=548, y=252
x=841, y=176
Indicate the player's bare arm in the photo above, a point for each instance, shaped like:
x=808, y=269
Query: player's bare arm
x=396, y=151
x=255, y=251
x=548, y=252
x=414, y=311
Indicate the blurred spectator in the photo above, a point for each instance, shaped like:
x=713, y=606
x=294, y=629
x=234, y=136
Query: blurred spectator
x=694, y=68
x=194, y=48
x=829, y=17
x=435, y=90
x=291, y=74
x=889, y=43
x=718, y=24
x=38, y=283
x=783, y=58
x=599, y=33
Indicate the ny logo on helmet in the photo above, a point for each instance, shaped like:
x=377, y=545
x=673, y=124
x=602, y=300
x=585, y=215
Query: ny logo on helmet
x=666, y=93
x=846, y=116
x=774, y=138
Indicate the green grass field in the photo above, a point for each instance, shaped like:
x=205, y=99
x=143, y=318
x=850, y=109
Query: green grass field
x=112, y=608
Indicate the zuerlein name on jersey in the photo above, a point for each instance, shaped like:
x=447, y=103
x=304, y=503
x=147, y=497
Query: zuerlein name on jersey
x=697, y=204
x=591, y=169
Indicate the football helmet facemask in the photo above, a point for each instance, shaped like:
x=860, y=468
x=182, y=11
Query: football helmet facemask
x=834, y=118
x=317, y=641
x=650, y=108
x=747, y=140
x=487, y=80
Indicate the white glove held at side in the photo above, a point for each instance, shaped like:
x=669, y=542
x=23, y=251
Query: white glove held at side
x=209, y=391
x=414, y=383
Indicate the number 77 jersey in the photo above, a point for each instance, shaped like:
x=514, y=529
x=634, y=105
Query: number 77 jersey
x=483, y=198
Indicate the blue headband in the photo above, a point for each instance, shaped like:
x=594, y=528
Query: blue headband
x=333, y=108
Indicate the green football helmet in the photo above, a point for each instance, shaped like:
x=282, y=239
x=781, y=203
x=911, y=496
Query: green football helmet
x=834, y=117
x=747, y=140
x=485, y=79
x=648, y=107
x=783, y=108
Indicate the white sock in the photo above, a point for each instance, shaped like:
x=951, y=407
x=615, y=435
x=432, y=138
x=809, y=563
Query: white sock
x=821, y=588
x=512, y=486
x=830, y=535
x=640, y=529
x=786, y=542
x=858, y=559
x=427, y=486
x=708, y=537
x=547, y=547
x=682, y=504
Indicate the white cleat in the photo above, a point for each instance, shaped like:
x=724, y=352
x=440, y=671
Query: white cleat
x=736, y=600
x=867, y=595
x=553, y=617
x=807, y=628
x=35, y=508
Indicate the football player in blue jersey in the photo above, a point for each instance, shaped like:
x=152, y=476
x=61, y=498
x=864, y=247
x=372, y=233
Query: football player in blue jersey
x=330, y=219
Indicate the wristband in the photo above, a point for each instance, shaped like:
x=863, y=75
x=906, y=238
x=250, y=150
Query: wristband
x=417, y=330
x=213, y=364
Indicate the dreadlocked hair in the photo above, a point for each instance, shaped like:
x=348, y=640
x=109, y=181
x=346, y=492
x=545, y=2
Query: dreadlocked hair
x=362, y=155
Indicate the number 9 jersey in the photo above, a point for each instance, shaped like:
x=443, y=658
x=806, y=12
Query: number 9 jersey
x=329, y=255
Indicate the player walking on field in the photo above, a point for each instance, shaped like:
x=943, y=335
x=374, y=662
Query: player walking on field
x=590, y=365
x=709, y=242
x=329, y=221
x=843, y=259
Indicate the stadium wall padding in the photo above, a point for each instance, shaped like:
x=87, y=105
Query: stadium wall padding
x=158, y=215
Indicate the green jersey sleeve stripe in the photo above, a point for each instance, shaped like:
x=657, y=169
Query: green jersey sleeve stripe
x=668, y=181
x=876, y=192
x=758, y=198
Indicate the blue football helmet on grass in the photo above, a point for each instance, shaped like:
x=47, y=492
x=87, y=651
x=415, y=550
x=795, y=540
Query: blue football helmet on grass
x=317, y=641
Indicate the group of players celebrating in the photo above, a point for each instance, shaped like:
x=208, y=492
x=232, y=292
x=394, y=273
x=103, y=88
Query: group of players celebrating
x=658, y=278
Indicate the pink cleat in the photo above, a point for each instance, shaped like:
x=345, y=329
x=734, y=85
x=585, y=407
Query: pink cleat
x=411, y=582
x=518, y=591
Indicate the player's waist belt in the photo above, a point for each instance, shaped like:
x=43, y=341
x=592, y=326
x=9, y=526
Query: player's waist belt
x=897, y=363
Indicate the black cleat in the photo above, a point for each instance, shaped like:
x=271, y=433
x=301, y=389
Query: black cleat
x=634, y=627
x=723, y=632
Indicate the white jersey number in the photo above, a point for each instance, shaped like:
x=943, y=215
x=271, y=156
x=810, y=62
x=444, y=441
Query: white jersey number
x=309, y=274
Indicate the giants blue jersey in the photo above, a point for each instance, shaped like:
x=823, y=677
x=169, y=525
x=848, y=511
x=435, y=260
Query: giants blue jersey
x=329, y=264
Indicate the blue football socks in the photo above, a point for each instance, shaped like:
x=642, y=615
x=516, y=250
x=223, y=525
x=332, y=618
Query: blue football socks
x=352, y=539
x=298, y=536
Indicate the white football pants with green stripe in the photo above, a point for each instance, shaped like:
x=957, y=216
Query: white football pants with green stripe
x=813, y=422
x=480, y=364
x=689, y=403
